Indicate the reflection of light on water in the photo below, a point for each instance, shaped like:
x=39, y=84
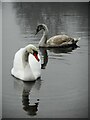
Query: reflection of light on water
x=30, y=95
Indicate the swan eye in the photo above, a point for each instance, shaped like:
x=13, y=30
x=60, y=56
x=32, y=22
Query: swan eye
x=40, y=27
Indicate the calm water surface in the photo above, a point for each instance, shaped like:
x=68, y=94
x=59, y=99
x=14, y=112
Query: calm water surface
x=62, y=91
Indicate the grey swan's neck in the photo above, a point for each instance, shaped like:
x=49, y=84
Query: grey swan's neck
x=43, y=41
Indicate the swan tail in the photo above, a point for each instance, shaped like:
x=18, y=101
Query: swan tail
x=76, y=40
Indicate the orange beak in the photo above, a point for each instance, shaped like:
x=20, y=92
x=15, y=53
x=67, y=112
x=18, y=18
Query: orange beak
x=36, y=56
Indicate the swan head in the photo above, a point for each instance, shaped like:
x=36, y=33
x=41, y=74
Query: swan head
x=33, y=50
x=41, y=27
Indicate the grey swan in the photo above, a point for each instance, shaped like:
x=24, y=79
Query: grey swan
x=55, y=41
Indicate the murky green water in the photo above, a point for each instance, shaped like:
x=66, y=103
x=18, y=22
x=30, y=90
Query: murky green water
x=62, y=91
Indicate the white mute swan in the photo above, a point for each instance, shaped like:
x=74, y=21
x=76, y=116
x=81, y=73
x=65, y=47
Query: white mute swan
x=27, y=64
x=55, y=41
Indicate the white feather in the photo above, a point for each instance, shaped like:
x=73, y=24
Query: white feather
x=26, y=71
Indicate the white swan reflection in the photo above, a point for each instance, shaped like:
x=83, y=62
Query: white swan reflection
x=29, y=104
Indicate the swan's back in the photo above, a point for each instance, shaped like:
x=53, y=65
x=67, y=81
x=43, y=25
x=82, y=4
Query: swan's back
x=59, y=39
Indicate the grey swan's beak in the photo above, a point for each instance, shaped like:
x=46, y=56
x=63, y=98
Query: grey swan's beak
x=36, y=31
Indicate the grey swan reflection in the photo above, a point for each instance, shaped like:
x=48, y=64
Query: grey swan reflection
x=27, y=87
x=55, y=41
x=63, y=50
x=44, y=53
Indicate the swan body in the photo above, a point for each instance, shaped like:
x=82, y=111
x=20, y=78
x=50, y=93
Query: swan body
x=27, y=64
x=55, y=41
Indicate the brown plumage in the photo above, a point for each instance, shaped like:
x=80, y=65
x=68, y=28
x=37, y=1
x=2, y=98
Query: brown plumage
x=55, y=41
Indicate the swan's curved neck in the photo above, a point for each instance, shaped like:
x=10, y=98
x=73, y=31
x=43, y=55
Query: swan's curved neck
x=44, y=37
x=25, y=57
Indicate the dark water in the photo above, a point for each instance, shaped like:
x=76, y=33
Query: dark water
x=62, y=91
